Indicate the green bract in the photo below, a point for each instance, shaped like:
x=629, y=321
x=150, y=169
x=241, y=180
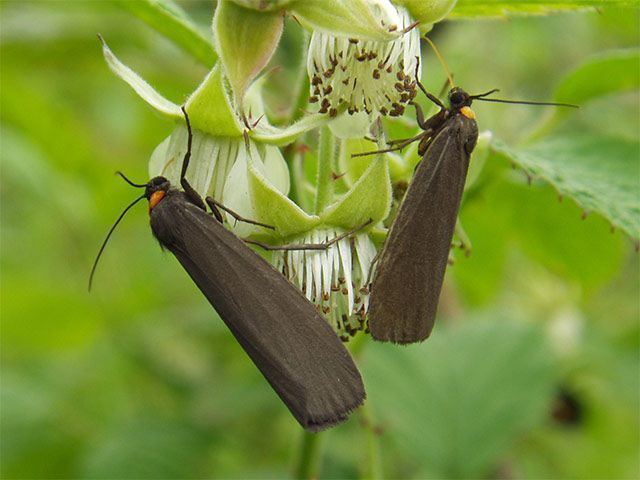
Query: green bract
x=245, y=41
x=368, y=199
x=361, y=66
x=428, y=12
x=263, y=5
x=364, y=19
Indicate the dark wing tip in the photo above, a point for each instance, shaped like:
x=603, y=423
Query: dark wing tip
x=399, y=334
x=329, y=420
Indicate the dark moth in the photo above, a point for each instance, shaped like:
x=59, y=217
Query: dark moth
x=293, y=346
x=410, y=270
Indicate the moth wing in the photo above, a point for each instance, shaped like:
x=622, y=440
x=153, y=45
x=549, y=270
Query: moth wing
x=407, y=283
x=293, y=346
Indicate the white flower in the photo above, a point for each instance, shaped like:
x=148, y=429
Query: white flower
x=218, y=168
x=335, y=279
x=365, y=75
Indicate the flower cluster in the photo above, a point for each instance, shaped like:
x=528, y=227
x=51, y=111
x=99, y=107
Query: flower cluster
x=362, y=59
x=365, y=75
x=334, y=279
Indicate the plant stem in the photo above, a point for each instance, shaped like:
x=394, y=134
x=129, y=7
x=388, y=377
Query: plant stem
x=308, y=462
x=373, y=465
x=324, y=181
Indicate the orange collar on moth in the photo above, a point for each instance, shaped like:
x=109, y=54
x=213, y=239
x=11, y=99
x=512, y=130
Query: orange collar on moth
x=155, y=198
x=467, y=112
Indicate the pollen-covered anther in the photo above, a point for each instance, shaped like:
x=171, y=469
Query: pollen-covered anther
x=365, y=75
x=333, y=279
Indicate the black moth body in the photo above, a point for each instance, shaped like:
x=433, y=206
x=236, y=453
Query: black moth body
x=410, y=270
x=288, y=340
x=293, y=346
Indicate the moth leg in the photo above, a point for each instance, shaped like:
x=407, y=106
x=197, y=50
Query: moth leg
x=424, y=144
x=405, y=141
x=189, y=191
x=308, y=246
x=214, y=210
x=371, y=269
x=214, y=205
x=430, y=96
x=399, y=146
x=419, y=116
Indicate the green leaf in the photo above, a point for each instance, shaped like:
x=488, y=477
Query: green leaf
x=506, y=215
x=170, y=20
x=369, y=198
x=147, y=447
x=245, y=40
x=553, y=234
x=458, y=402
x=609, y=72
x=210, y=107
x=352, y=18
x=139, y=85
x=504, y=8
x=599, y=173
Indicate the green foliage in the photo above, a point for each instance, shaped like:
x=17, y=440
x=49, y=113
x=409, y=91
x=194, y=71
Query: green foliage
x=478, y=386
x=170, y=20
x=141, y=379
x=599, y=173
x=504, y=8
x=603, y=74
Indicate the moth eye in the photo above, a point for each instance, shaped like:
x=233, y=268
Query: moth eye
x=457, y=98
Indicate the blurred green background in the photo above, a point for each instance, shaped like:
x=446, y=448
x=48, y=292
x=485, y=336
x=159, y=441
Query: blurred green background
x=532, y=372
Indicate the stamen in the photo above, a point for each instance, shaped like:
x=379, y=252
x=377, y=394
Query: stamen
x=334, y=61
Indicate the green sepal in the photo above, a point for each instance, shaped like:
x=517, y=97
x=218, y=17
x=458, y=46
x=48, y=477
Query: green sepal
x=266, y=133
x=354, y=167
x=263, y=5
x=210, y=107
x=352, y=18
x=274, y=208
x=427, y=12
x=368, y=199
x=245, y=41
x=139, y=85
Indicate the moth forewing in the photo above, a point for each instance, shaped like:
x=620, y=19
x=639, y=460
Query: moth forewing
x=409, y=274
x=291, y=344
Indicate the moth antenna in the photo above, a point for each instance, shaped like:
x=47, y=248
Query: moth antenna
x=137, y=185
x=482, y=95
x=104, y=243
x=441, y=60
x=524, y=102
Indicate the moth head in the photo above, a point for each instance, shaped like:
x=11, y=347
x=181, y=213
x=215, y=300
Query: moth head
x=155, y=190
x=458, y=99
